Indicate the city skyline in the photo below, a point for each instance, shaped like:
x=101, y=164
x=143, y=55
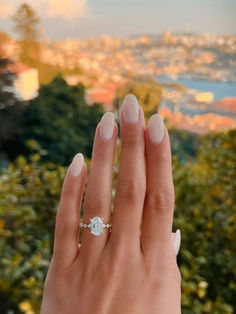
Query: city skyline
x=62, y=19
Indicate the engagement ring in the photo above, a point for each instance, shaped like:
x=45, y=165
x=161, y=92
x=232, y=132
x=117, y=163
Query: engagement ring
x=96, y=225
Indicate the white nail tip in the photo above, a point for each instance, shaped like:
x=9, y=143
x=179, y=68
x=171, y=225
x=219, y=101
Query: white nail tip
x=156, y=128
x=176, y=241
x=107, y=125
x=77, y=164
x=130, y=109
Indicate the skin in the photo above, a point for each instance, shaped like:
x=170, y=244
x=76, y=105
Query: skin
x=124, y=271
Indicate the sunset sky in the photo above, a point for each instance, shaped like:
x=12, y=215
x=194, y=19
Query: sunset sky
x=82, y=18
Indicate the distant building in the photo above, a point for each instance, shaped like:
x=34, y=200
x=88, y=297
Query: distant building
x=200, y=124
x=26, y=83
x=102, y=95
x=166, y=37
x=204, y=97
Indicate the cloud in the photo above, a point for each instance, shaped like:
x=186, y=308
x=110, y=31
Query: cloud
x=65, y=9
x=6, y=9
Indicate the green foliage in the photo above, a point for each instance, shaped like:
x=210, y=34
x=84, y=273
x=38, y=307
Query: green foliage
x=206, y=214
x=29, y=195
x=148, y=93
x=184, y=144
x=11, y=109
x=60, y=120
x=7, y=78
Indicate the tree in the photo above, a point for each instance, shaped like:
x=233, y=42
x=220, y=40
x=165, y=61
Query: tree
x=26, y=26
x=11, y=109
x=7, y=78
x=61, y=121
x=148, y=93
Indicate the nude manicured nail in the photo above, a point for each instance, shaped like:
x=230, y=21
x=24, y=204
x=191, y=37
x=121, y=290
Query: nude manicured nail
x=156, y=128
x=76, y=165
x=107, y=125
x=176, y=241
x=130, y=109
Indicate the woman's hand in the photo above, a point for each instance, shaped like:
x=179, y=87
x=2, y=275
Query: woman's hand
x=132, y=269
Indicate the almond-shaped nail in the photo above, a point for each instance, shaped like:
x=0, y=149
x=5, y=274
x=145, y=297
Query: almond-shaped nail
x=156, y=128
x=130, y=109
x=176, y=239
x=77, y=165
x=107, y=125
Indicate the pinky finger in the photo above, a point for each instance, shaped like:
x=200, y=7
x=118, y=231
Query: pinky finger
x=68, y=216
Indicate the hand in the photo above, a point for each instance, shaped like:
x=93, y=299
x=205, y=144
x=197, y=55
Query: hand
x=130, y=270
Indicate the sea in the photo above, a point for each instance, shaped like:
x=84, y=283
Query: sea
x=218, y=89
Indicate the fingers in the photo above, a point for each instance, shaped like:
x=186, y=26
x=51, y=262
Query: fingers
x=68, y=215
x=131, y=181
x=159, y=199
x=98, y=196
x=176, y=240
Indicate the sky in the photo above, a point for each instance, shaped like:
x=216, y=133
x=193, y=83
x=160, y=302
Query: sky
x=62, y=19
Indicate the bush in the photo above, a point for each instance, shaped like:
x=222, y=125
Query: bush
x=205, y=213
x=29, y=196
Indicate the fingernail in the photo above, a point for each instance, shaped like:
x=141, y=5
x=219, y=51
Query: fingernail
x=130, y=109
x=176, y=241
x=107, y=125
x=76, y=165
x=156, y=128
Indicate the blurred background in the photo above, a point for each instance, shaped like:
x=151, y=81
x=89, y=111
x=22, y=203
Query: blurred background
x=62, y=65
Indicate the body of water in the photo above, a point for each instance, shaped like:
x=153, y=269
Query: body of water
x=218, y=89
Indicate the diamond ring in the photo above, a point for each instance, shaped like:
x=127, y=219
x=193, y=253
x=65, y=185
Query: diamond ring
x=96, y=225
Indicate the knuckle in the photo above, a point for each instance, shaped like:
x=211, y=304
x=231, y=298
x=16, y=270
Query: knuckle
x=132, y=140
x=95, y=205
x=170, y=271
x=102, y=152
x=130, y=189
x=120, y=248
x=162, y=155
x=63, y=225
x=118, y=259
x=167, y=274
x=115, y=269
x=60, y=228
x=177, y=275
x=68, y=192
x=167, y=264
x=160, y=199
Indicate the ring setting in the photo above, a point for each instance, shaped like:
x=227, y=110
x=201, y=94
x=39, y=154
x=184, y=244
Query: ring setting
x=96, y=225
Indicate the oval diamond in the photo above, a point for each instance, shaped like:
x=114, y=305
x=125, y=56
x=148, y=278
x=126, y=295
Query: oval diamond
x=96, y=225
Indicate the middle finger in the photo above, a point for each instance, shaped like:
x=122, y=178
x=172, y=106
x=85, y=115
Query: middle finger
x=131, y=180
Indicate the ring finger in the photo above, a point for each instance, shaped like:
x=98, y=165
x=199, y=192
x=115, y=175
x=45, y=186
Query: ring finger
x=98, y=195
